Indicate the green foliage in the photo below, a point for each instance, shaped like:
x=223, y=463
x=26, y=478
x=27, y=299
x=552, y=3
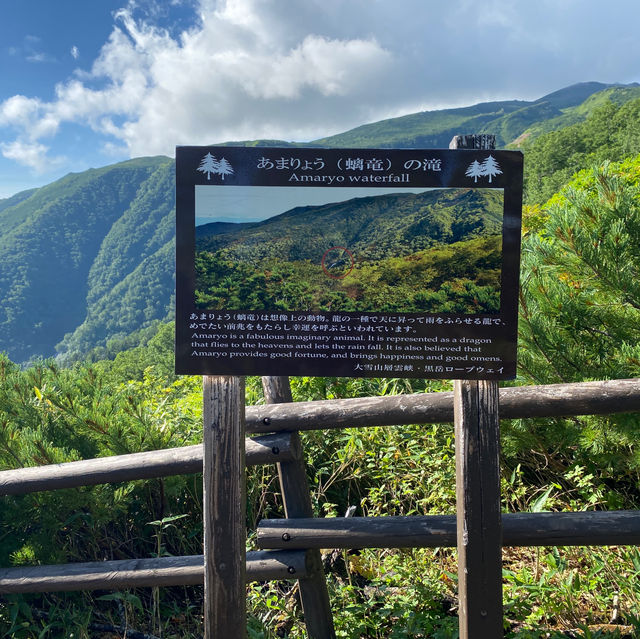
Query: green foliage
x=580, y=320
x=611, y=132
x=138, y=301
x=580, y=294
x=48, y=414
x=152, y=351
x=463, y=277
x=438, y=251
x=65, y=246
x=52, y=415
x=552, y=587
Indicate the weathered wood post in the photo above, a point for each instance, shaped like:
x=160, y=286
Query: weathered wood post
x=297, y=503
x=479, y=523
x=224, y=508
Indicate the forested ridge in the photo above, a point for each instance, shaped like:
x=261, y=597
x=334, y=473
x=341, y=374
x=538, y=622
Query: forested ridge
x=437, y=251
x=579, y=320
x=507, y=120
x=374, y=227
x=91, y=254
x=88, y=260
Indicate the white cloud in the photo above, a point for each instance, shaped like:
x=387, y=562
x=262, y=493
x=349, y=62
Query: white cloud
x=302, y=70
x=19, y=111
x=231, y=76
x=32, y=51
x=75, y=52
x=32, y=155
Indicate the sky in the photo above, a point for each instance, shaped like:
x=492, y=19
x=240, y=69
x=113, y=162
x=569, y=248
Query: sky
x=86, y=83
x=218, y=203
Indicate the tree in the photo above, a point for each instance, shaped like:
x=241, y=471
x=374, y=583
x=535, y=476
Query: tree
x=474, y=170
x=490, y=168
x=208, y=165
x=224, y=168
x=580, y=321
x=580, y=297
x=611, y=132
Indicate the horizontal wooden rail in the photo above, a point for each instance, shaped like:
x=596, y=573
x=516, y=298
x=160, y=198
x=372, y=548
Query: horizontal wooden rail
x=267, y=449
x=133, y=573
x=591, y=528
x=553, y=400
x=584, y=398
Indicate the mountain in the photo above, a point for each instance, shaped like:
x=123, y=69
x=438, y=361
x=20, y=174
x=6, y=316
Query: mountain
x=89, y=259
x=507, y=120
x=217, y=228
x=436, y=251
x=376, y=227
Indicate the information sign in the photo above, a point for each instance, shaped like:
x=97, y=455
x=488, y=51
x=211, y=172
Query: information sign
x=349, y=262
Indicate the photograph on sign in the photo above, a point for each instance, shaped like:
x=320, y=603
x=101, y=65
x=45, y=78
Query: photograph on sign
x=347, y=262
x=264, y=248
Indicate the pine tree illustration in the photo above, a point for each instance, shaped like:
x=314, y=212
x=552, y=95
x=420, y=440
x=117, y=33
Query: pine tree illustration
x=474, y=170
x=490, y=167
x=224, y=168
x=208, y=165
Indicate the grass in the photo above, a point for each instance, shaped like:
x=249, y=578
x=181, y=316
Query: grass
x=548, y=592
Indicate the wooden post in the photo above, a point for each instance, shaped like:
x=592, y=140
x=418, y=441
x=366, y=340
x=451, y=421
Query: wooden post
x=482, y=141
x=297, y=503
x=479, y=523
x=224, y=508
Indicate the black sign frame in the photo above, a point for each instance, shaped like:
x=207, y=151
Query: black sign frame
x=373, y=344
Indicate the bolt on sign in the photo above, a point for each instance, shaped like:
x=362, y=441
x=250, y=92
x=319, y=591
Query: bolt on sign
x=348, y=262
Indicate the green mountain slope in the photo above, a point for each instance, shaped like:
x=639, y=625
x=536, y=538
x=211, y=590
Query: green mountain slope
x=14, y=200
x=141, y=297
x=429, y=129
x=616, y=95
x=611, y=132
x=507, y=120
x=49, y=243
x=462, y=277
x=144, y=228
x=437, y=251
x=372, y=228
x=89, y=258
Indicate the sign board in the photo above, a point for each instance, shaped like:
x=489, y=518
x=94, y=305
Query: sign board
x=347, y=262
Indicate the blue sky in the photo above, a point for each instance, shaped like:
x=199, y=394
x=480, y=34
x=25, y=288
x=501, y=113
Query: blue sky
x=85, y=83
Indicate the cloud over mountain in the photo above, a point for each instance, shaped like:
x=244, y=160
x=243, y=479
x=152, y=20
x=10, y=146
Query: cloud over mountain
x=244, y=69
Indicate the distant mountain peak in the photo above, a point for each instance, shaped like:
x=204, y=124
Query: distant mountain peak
x=574, y=94
x=506, y=119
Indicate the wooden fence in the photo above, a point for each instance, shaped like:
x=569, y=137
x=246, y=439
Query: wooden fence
x=291, y=545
